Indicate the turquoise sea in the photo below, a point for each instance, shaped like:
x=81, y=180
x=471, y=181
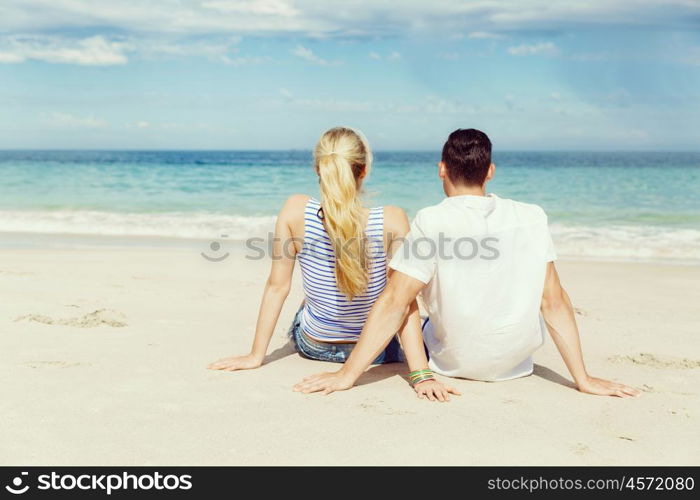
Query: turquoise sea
x=609, y=205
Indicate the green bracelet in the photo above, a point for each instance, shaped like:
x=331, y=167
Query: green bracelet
x=419, y=376
x=423, y=379
x=420, y=372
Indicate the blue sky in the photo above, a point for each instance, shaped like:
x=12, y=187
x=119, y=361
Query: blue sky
x=273, y=74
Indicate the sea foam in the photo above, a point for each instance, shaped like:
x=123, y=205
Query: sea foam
x=616, y=242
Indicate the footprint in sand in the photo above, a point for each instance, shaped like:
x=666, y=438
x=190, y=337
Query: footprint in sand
x=90, y=320
x=15, y=273
x=580, y=312
x=54, y=364
x=682, y=411
x=661, y=362
x=384, y=410
x=580, y=449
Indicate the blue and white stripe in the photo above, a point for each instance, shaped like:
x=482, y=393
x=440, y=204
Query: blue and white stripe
x=328, y=315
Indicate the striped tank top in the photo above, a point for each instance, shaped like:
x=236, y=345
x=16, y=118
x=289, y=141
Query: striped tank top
x=328, y=315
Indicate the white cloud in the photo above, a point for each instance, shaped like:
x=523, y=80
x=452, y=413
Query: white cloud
x=589, y=56
x=433, y=105
x=391, y=56
x=618, y=98
x=11, y=57
x=691, y=57
x=484, y=35
x=555, y=96
x=448, y=56
x=216, y=48
x=510, y=101
x=335, y=105
x=339, y=17
x=203, y=28
x=308, y=55
x=67, y=120
x=440, y=106
x=99, y=50
x=174, y=126
x=92, y=51
x=634, y=133
x=257, y=7
x=243, y=60
x=542, y=48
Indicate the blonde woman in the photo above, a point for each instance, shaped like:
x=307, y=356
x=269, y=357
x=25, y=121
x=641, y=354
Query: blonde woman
x=342, y=248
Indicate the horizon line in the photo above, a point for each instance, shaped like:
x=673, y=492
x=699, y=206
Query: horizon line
x=309, y=150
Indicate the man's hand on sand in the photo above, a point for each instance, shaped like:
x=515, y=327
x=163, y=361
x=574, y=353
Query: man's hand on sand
x=435, y=391
x=329, y=382
x=247, y=362
x=325, y=383
x=601, y=387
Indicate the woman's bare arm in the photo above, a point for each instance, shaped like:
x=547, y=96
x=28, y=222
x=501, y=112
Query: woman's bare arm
x=276, y=290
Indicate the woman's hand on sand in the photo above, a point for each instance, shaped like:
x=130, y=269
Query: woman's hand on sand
x=435, y=391
x=325, y=383
x=247, y=362
x=601, y=387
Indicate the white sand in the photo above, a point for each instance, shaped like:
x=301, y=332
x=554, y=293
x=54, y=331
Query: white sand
x=78, y=388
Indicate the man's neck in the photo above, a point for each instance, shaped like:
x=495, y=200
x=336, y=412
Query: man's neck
x=452, y=190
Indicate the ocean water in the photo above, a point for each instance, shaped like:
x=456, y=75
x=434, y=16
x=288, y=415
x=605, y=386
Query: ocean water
x=631, y=206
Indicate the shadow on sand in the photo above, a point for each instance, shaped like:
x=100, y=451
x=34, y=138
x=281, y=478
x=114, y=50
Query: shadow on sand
x=552, y=376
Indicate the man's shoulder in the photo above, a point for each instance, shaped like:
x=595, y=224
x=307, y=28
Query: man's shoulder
x=523, y=209
x=430, y=213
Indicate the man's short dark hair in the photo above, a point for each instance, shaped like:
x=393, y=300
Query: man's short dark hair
x=467, y=156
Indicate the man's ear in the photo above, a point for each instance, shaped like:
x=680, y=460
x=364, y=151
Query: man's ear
x=442, y=170
x=491, y=172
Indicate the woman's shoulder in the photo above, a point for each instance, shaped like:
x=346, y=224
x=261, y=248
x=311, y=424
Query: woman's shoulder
x=294, y=206
x=297, y=200
x=395, y=220
x=393, y=212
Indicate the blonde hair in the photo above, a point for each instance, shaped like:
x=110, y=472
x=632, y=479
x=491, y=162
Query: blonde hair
x=342, y=158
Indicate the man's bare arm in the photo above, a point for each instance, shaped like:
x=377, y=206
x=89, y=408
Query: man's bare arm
x=558, y=313
x=385, y=319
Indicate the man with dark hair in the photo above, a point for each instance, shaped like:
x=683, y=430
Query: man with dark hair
x=485, y=268
x=468, y=153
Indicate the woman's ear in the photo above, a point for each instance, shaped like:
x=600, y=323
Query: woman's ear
x=363, y=173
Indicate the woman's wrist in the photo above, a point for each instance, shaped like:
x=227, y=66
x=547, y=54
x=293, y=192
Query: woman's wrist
x=348, y=373
x=259, y=357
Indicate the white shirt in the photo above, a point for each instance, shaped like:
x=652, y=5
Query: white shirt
x=484, y=260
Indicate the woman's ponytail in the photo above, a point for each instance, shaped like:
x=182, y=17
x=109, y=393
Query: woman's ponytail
x=342, y=158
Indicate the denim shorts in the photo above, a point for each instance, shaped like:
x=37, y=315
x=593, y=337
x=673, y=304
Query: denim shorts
x=335, y=353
